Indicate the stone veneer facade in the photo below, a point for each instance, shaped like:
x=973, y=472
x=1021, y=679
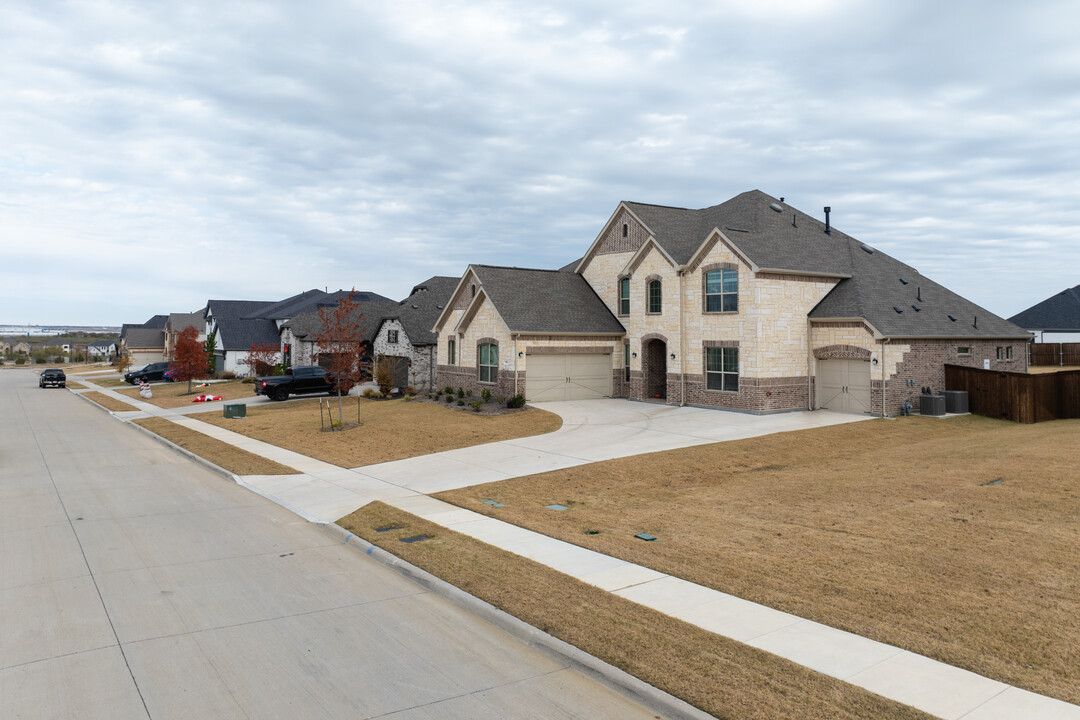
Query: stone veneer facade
x=421, y=358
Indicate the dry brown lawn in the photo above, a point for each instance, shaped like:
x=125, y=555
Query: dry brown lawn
x=75, y=385
x=226, y=456
x=390, y=430
x=720, y=676
x=108, y=381
x=958, y=539
x=109, y=403
x=174, y=395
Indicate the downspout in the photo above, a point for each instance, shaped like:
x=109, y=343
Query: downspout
x=515, y=365
x=809, y=368
x=682, y=340
x=884, y=388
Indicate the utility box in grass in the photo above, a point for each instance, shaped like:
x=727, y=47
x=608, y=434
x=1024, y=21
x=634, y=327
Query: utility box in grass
x=236, y=410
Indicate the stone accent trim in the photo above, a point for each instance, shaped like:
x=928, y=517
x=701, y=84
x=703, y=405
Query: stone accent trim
x=718, y=266
x=839, y=325
x=720, y=343
x=842, y=352
x=569, y=350
x=651, y=336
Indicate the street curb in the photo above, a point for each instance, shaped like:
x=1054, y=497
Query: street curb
x=186, y=453
x=618, y=680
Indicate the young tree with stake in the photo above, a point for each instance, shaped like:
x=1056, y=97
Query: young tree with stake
x=340, y=338
x=189, y=361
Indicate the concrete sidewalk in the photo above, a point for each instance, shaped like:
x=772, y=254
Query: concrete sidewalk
x=604, y=429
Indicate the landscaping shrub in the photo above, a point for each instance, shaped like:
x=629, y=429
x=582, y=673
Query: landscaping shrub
x=460, y=402
x=468, y=393
x=477, y=404
x=20, y=360
x=229, y=375
x=516, y=401
x=461, y=392
x=448, y=390
x=409, y=390
x=248, y=381
x=370, y=393
x=449, y=398
x=40, y=361
x=486, y=394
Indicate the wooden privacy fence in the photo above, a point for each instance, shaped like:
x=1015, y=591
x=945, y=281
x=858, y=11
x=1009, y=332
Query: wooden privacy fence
x=1054, y=353
x=1017, y=396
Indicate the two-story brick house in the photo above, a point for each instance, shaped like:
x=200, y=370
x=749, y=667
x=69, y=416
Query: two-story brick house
x=754, y=305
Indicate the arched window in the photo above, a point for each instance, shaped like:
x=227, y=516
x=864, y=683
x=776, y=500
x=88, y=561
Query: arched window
x=655, y=305
x=625, y=229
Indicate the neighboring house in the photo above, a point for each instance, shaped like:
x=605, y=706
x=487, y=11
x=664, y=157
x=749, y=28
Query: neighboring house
x=749, y=305
x=544, y=333
x=21, y=348
x=297, y=318
x=177, y=323
x=1056, y=319
x=103, y=348
x=404, y=333
x=156, y=322
x=235, y=333
x=144, y=345
x=303, y=329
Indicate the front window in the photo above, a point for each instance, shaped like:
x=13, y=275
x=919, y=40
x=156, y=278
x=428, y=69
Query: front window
x=1000, y=353
x=391, y=337
x=489, y=362
x=722, y=369
x=451, y=352
x=654, y=296
x=1008, y=352
x=626, y=361
x=624, y=296
x=722, y=291
x=963, y=350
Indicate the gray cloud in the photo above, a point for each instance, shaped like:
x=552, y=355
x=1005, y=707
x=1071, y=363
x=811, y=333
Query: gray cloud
x=195, y=150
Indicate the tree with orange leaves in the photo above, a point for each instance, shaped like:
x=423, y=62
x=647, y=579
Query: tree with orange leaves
x=189, y=358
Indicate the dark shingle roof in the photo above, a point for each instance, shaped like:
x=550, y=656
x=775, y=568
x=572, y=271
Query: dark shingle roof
x=145, y=338
x=546, y=301
x=788, y=240
x=1060, y=313
x=419, y=312
x=237, y=332
x=310, y=300
x=157, y=322
x=179, y=321
x=307, y=323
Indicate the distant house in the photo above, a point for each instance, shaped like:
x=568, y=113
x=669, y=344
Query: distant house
x=405, y=335
x=177, y=323
x=297, y=318
x=234, y=332
x=1055, y=319
x=144, y=345
x=102, y=348
x=301, y=331
x=21, y=348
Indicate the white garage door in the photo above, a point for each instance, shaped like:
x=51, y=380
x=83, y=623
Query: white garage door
x=567, y=377
x=843, y=385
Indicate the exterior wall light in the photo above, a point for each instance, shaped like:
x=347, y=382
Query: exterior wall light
x=672, y=356
x=633, y=355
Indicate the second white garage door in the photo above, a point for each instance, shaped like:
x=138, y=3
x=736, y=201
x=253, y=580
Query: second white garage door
x=567, y=377
x=843, y=385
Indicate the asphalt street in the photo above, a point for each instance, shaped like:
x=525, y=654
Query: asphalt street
x=135, y=583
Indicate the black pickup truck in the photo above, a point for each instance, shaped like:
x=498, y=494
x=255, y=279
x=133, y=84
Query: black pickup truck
x=299, y=381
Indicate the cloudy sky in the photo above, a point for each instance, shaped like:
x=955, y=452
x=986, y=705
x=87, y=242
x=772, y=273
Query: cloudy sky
x=155, y=155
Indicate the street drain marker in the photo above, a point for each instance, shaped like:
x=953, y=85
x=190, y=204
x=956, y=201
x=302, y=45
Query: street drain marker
x=556, y=506
x=388, y=528
x=415, y=538
x=492, y=503
x=645, y=536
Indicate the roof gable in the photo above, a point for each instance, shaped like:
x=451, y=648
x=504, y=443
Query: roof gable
x=1058, y=313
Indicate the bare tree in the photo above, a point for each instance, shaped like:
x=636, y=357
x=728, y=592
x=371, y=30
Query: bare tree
x=340, y=339
x=261, y=358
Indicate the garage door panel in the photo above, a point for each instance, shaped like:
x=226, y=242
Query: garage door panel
x=567, y=377
x=843, y=385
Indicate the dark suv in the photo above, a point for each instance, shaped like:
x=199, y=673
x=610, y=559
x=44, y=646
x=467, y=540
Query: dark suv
x=153, y=371
x=53, y=377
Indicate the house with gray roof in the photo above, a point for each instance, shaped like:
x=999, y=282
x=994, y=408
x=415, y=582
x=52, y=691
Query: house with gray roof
x=749, y=305
x=404, y=335
x=298, y=334
x=234, y=333
x=1055, y=319
x=144, y=345
x=544, y=333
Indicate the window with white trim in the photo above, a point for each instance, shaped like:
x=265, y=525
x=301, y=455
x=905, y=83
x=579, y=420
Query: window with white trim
x=963, y=350
x=722, y=369
x=489, y=362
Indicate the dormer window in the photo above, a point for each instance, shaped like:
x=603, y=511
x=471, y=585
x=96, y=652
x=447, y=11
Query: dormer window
x=472, y=289
x=625, y=229
x=391, y=337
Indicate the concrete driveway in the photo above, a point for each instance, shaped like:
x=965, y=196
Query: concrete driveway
x=135, y=584
x=592, y=430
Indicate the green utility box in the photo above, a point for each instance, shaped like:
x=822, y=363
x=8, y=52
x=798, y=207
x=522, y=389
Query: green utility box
x=236, y=410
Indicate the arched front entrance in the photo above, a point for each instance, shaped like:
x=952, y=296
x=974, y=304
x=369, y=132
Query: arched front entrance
x=654, y=369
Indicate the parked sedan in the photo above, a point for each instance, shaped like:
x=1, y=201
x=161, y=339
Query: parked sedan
x=151, y=372
x=53, y=377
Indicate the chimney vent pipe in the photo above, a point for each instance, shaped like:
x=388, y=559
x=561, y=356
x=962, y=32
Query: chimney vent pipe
x=828, y=210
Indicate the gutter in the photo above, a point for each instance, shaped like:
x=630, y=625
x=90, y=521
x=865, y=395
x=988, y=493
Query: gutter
x=682, y=339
